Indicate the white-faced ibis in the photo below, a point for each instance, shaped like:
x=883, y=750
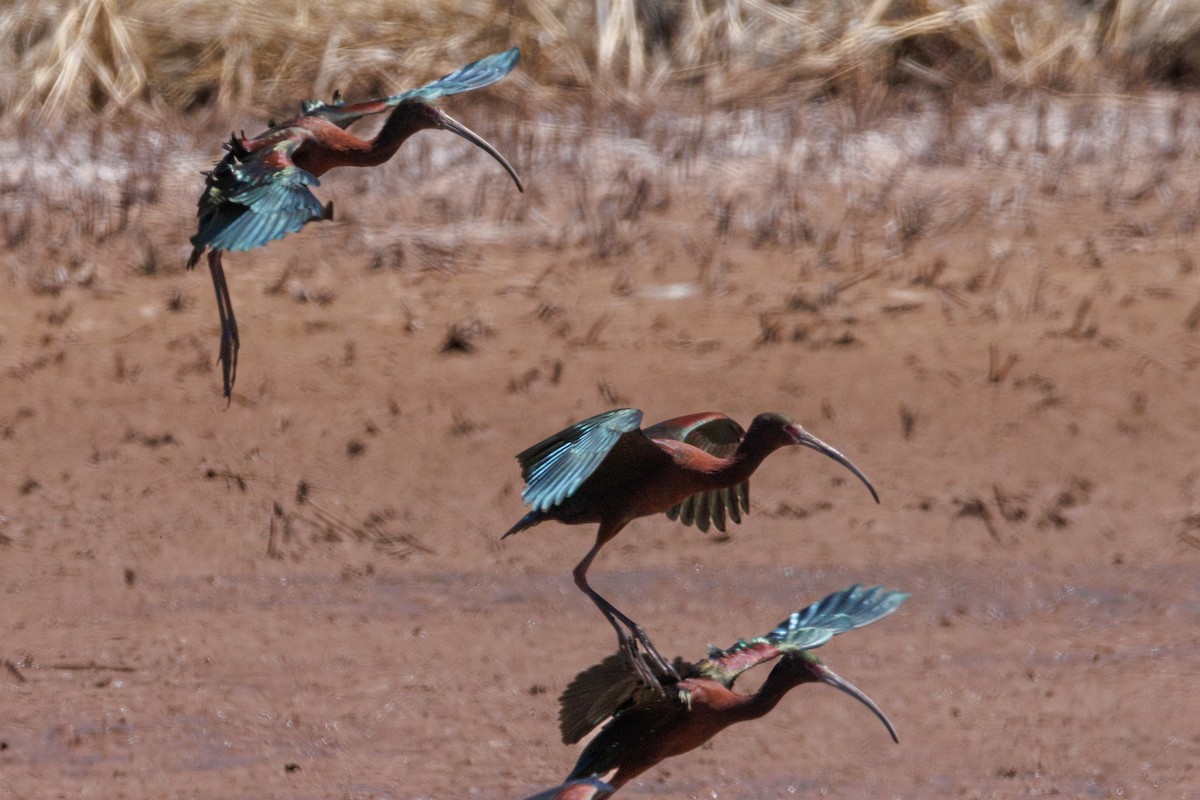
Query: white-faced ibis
x=645, y=727
x=260, y=192
x=606, y=469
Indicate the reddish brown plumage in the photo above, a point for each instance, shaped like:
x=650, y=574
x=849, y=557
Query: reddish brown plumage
x=259, y=191
x=642, y=728
x=710, y=708
x=607, y=470
x=324, y=145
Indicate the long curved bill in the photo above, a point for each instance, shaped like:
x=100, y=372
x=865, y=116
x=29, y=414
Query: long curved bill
x=806, y=439
x=826, y=675
x=448, y=123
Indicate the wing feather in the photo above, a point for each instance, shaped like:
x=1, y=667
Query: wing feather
x=605, y=690
x=806, y=629
x=720, y=436
x=556, y=467
x=256, y=196
x=594, y=695
x=629, y=731
x=475, y=75
x=635, y=714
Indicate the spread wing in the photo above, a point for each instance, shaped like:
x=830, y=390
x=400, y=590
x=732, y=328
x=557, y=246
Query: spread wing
x=253, y=196
x=475, y=75
x=604, y=690
x=554, y=468
x=630, y=731
x=636, y=713
x=719, y=435
x=806, y=629
x=595, y=695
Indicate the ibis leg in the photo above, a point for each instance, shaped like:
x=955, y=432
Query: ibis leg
x=227, y=356
x=632, y=638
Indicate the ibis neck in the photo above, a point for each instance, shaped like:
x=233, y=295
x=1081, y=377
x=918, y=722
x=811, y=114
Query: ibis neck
x=781, y=681
x=742, y=464
x=403, y=123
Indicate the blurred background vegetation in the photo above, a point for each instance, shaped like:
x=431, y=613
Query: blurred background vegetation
x=74, y=58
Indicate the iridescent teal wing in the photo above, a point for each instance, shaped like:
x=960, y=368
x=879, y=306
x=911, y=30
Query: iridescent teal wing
x=475, y=75
x=556, y=467
x=255, y=196
x=719, y=435
x=636, y=714
x=806, y=629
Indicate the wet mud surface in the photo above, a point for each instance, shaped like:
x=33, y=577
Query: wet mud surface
x=303, y=595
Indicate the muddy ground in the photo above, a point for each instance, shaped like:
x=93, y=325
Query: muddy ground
x=995, y=313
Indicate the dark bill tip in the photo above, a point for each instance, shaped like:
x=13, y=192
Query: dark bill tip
x=454, y=126
x=830, y=677
x=806, y=439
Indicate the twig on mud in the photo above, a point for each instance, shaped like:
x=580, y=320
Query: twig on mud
x=336, y=523
x=830, y=293
x=91, y=666
x=388, y=542
x=1192, y=321
x=16, y=673
x=272, y=547
x=1186, y=536
x=371, y=531
x=998, y=370
x=610, y=394
x=592, y=337
x=976, y=507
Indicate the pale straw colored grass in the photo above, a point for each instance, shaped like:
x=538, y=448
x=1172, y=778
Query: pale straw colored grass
x=68, y=54
x=83, y=56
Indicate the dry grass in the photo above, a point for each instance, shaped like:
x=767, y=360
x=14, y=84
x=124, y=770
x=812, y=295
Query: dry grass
x=661, y=198
x=856, y=193
x=75, y=57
